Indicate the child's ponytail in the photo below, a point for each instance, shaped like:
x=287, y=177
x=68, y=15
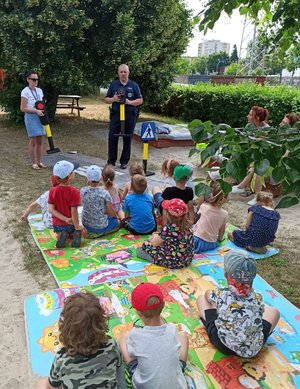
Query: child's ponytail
x=108, y=175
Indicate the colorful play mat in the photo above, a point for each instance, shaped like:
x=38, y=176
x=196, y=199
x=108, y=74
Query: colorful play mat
x=109, y=268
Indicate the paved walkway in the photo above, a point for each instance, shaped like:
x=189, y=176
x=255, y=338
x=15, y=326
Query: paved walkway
x=122, y=176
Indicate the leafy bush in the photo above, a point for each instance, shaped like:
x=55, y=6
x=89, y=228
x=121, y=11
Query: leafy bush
x=10, y=98
x=230, y=103
x=273, y=151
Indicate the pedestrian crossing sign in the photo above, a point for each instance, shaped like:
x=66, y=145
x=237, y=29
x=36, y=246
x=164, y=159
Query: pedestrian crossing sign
x=148, y=131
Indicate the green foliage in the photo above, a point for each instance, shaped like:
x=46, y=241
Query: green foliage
x=10, y=99
x=216, y=61
x=231, y=103
x=199, y=66
x=232, y=69
x=281, y=17
x=265, y=148
x=182, y=66
x=234, y=55
x=73, y=43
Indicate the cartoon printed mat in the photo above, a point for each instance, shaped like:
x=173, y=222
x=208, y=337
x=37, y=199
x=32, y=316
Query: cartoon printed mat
x=277, y=365
x=109, y=258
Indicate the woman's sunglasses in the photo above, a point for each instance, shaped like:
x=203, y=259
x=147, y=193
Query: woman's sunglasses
x=33, y=79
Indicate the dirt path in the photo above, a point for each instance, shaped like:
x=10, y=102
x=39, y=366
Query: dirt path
x=16, y=285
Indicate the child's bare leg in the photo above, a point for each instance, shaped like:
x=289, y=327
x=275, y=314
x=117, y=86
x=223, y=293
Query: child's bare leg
x=184, y=341
x=271, y=315
x=43, y=383
x=123, y=348
x=203, y=304
x=156, y=189
x=257, y=184
x=246, y=181
x=121, y=215
x=230, y=235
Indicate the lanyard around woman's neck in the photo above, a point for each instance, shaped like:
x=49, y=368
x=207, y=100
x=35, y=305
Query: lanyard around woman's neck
x=35, y=96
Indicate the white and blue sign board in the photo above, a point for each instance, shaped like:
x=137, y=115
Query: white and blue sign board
x=148, y=131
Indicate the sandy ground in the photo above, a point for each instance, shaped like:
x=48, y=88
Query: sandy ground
x=14, y=369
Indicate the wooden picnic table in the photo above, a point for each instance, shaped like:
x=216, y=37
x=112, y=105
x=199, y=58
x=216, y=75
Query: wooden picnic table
x=69, y=102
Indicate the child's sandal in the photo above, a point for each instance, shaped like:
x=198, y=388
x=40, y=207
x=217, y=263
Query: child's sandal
x=247, y=193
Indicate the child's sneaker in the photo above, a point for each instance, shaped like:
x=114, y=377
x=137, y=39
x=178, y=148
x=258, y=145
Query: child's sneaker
x=61, y=241
x=252, y=202
x=76, y=241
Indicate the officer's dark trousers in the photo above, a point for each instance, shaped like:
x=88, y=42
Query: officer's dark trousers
x=115, y=128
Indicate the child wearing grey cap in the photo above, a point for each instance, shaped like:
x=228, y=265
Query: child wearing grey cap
x=236, y=320
x=98, y=215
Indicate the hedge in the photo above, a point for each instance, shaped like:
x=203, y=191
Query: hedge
x=230, y=104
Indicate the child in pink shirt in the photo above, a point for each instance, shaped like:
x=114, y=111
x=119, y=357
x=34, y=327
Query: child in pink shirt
x=212, y=222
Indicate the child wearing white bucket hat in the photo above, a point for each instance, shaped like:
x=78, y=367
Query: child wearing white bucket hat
x=98, y=215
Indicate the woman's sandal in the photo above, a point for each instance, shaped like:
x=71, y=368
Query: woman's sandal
x=35, y=166
x=41, y=165
x=247, y=193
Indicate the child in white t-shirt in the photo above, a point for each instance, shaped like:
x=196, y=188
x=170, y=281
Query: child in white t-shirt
x=155, y=354
x=42, y=202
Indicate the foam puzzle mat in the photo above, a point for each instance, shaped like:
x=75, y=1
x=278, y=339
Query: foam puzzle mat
x=109, y=258
x=276, y=366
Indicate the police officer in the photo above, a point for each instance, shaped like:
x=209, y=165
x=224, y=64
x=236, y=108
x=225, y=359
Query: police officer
x=120, y=91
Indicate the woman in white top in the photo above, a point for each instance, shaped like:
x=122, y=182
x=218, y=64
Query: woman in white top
x=35, y=130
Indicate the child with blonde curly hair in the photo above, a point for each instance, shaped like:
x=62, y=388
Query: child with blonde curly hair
x=89, y=357
x=210, y=227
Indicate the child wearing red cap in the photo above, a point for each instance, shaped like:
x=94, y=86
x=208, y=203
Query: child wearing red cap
x=173, y=246
x=42, y=202
x=156, y=354
x=236, y=320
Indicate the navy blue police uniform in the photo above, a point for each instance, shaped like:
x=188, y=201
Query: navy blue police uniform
x=130, y=91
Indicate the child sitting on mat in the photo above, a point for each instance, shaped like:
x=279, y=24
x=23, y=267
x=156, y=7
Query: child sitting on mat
x=236, y=320
x=133, y=168
x=89, y=357
x=181, y=175
x=98, y=215
x=261, y=225
x=173, y=246
x=63, y=204
x=108, y=177
x=155, y=354
x=210, y=227
x=42, y=202
x=167, y=170
x=139, y=208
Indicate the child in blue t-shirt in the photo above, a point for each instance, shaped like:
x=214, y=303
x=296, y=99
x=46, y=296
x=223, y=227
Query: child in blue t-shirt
x=139, y=208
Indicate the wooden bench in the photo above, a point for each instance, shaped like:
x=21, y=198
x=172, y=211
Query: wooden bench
x=69, y=102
